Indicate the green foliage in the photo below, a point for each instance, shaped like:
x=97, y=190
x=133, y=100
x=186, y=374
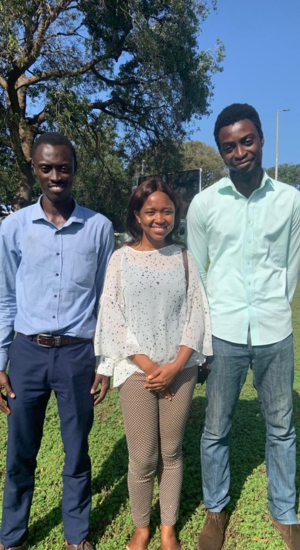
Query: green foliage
x=174, y=156
x=111, y=526
x=197, y=154
x=288, y=173
x=8, y=178
x=101, y=182
x=137, y=62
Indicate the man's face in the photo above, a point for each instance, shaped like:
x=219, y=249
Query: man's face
x=241, y=147
x=54, y=168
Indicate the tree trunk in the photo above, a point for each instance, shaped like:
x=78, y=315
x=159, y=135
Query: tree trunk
x=24, y=194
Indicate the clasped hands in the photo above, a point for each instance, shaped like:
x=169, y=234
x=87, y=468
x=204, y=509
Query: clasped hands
x=160, y=379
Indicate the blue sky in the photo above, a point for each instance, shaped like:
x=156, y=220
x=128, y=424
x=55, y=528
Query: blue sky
x=262, y=67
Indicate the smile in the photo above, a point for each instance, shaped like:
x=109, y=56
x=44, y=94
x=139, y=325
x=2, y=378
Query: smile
x=59, y=185
x=244, y=163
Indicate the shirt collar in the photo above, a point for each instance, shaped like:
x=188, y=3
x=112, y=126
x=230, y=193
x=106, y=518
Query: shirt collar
x=39, y=214
x=227, y=182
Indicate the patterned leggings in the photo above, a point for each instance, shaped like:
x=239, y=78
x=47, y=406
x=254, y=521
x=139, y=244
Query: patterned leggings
x=154, y=430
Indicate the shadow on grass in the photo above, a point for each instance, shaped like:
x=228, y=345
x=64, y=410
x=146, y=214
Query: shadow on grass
x=113, y=478
x=113, y=474
x=247, y=452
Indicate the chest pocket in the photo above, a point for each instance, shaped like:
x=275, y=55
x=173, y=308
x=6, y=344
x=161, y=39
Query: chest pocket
x=85, y=267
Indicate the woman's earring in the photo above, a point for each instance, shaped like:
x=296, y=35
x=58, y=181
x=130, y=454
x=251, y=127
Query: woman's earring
x=139, y=221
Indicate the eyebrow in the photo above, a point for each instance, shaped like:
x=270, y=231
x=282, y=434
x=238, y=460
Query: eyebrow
x=251, y=134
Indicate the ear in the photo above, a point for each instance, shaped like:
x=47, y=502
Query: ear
x=137, y=216
x=262, y=139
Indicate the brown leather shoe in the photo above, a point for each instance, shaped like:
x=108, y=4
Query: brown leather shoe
x=24, y=546
x=290, y=534
x=212, y=535
x=84, y=545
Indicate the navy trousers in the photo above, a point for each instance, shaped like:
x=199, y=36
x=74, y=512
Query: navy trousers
x=35, y=371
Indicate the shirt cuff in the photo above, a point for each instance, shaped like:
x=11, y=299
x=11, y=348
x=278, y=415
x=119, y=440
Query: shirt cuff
x=105, y=366
x=3, y=360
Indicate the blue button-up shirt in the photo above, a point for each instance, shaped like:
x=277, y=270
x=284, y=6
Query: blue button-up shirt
x=253, y=246
x=51, y=278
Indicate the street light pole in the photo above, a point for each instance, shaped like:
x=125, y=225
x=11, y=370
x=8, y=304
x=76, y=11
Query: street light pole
x=200, y=180
x=277, y=140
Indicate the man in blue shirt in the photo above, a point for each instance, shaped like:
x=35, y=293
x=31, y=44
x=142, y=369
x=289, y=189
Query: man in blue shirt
x=248, y=225
x=53, y=257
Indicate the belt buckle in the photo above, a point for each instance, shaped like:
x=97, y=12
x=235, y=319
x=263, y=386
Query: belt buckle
x=44, y=336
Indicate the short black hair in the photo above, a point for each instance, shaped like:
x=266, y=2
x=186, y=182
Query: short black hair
x=232, y=114
x=54, y=138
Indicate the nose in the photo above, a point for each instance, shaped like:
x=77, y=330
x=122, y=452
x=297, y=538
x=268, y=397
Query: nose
x=240, y=152
x=54, y=176
x=159, y=217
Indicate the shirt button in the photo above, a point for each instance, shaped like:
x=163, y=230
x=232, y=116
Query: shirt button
x=57, y=274
x=57, y=253
x=55, y=295
x=249, y=242
x=53, y=316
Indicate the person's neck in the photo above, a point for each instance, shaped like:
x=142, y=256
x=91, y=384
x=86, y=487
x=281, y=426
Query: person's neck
x=247, y=183
x=146, y=245
x=57, y=212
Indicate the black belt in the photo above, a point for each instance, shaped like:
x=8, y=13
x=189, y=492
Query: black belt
x=53, y=341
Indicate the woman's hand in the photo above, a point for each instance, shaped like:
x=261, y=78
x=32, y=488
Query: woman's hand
x=161, y=378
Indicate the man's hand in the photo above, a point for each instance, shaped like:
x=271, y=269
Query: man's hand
x=104, y=381
x=5, y=385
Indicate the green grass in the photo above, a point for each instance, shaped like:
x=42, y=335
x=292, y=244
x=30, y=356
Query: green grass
x=111, y=526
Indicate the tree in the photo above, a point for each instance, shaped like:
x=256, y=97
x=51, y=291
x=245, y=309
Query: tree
x=288, y=173
x=188, y=155
x=101, y=182
x=136, y=61
x=196, y=154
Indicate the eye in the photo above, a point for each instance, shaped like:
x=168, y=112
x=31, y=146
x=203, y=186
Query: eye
x=65, y=169
x=249, y=141
x=45, y=169
x=227, y=148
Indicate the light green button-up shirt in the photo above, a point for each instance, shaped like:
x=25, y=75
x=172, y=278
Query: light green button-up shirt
x=253, y=246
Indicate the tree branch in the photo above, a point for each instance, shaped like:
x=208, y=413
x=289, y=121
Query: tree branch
x=3, y=83
x=117, y=81
x=37, y=119
x=59, y=73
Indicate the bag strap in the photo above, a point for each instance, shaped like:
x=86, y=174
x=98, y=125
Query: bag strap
x=186, y=266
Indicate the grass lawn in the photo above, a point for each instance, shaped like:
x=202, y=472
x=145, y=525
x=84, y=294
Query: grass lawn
x=111, y=525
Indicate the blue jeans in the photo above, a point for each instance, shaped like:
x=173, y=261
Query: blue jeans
x=273, y=375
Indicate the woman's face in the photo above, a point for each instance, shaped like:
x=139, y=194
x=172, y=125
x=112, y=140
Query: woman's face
x=157, y=217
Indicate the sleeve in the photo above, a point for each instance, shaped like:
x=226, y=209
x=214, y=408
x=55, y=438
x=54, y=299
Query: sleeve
x=197, y=330
x=106, y=250
x=9, y=261
x=293, y=267
x=196, y=235
x=113, y=338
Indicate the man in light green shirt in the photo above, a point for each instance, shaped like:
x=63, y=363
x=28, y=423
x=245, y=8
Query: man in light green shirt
x=248, y=226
